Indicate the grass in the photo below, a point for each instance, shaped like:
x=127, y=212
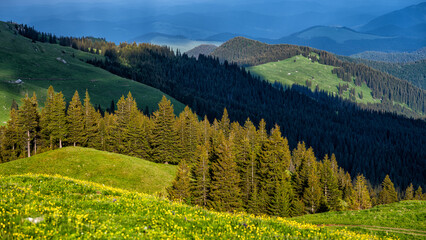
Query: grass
x=97, y=166
x=405, y=220
x=58, y=207
x=37, y=65
x=298, y=69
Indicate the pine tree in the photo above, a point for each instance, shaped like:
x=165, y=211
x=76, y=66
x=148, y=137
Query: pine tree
x=14, y=105
x=59, y=123
x=387, y=194
x=75, y=120
x=180, y=189
x=419, y=194
x=225, y=191
x=282, y=198
x=47, y=117
x=189, y=134
x=201, y=176
x=409, y=192
x=28, y=120
x=360, y=196
x=12, y=138
x=225, y=123
x=164, y=138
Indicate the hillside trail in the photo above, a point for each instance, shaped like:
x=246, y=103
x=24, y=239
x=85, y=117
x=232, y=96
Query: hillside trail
x=380, y=228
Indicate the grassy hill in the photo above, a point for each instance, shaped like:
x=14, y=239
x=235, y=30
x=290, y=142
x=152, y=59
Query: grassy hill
x=97, y=166
x=405, y=220
x=40, y=65
x=298, y=69
x=53, y=207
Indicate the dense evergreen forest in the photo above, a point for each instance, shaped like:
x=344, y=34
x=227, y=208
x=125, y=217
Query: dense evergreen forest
x=246, y=52
x=222, y=165
x=413, y=72
x=364, y=142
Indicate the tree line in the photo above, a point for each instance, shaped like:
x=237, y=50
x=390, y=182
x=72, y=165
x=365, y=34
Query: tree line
x=222, y=165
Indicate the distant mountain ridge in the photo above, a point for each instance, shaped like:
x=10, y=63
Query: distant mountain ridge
x=395, y=57
x=204, y=49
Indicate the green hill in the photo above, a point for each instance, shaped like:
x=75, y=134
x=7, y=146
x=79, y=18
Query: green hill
x=405, y=220
x=299, y=70
x=97, y=166
x=40, y=65
x=395, y=95
x=58, y=207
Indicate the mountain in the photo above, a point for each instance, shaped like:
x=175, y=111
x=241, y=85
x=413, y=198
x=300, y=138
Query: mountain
x=40, y=65
x=394, y=57
x=204, y=49
x=111, y=169
x=346, y=41
x=248, y=52
x=410, y=17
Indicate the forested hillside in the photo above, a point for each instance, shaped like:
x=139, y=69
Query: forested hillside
x=363, y=141
x=215, y=159
x=395, y=57
x=414, y=72
x=384, y=87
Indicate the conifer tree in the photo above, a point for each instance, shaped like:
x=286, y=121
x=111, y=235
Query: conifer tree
x=225, y=180
x=189, y=133
x=75, y=120
x=282, y=198
x=47, y=117
x=330, y=187
x=14, y=105
x=180, y=189
x=59, y=119
x=409, y=192
x=2, y=143
x=225, y=123
x=201, y=176
x=164, y=138
x=312, y=193
x=128, y=125
x=91, y=118
x=360, y=196
x=12, y=138
x=28, y=120
x=387, y=194
x=419, y=194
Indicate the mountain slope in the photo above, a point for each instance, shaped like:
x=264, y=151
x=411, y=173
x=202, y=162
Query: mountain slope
x=403, y=18
x=57, y=207
x=40, y=65
x=413, y=72
x=204, y=49
x=111, y=169
x=248, y=52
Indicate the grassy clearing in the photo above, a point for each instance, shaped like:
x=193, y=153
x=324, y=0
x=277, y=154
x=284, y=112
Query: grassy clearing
x=298, y=69
x=405, y=220
x=37, y=65
x=58, y=207
x=97, y=166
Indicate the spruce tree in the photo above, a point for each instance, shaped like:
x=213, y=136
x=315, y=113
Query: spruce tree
x=330, y=186
x=225, y=123
x=419, y=194
x=387, y=194
x=75, y=120
x=47, y=117
x=180, y=189
x=225, y=180
x=409, y=192
x=28, y=120
x=59, y=119
x=12, y=138
x=164, y=139
x=91, y=118
x=312, y=193
x=201, y=176
x=189, y=134
x=360, y=198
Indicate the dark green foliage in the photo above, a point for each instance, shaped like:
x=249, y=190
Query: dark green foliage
x=360, y=198
x=28, y=120
x=14, y=105
x=201, y=176
x=409, y=193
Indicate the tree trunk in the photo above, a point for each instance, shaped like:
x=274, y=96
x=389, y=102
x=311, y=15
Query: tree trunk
x=74, y=144
x=28, y=144
x=35, y=146
x=60, y=142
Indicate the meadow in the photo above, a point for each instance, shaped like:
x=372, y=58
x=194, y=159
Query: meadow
x=404, y=220
x=106, y=168
x=40, y=65
x=34, y=206
x=298, y=69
